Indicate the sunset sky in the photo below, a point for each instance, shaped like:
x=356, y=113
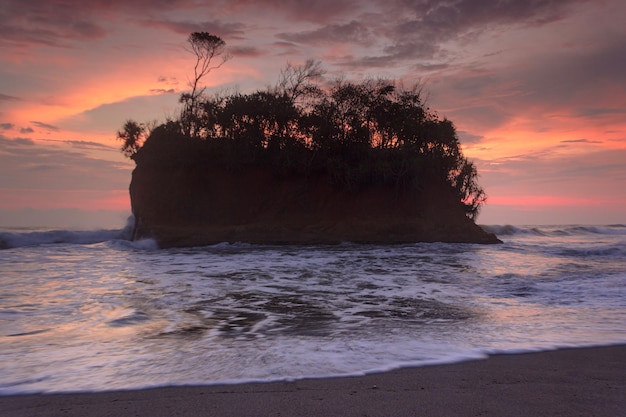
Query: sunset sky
x=535, y=88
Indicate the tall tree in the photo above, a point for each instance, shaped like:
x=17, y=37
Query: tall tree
x=206, y=47
x=132, y=136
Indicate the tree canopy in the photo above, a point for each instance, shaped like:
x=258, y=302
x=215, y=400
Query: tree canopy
x=372, y=132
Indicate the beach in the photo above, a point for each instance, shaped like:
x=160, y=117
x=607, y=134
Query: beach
x=566, y=382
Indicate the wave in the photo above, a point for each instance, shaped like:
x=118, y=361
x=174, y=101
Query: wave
x=569, y=230
x=20, y=238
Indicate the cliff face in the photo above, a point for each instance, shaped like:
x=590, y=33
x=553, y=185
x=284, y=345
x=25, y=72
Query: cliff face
x=200, y=205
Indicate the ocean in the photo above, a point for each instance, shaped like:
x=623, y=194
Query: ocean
x=92, y=311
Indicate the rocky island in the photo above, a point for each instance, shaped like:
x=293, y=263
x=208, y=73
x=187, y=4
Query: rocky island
x=185, y=200
x=305, y=162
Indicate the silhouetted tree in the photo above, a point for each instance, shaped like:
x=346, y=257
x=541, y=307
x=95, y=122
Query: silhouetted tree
x=132, y=136
x=358, y=134
x=464, y=179
x=300, y=80
x=205, y=47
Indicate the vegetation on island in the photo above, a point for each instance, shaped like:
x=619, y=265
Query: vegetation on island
x=357, y=134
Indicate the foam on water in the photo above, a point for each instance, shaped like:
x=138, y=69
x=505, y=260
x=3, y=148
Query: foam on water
x=21, y=237
x=114, y=314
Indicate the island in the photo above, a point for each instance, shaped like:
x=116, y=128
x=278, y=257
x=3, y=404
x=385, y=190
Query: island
x=182, y=197
x=308, y=161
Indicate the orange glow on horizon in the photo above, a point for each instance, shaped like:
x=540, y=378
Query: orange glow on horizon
x=116, y=200
x=548, y=201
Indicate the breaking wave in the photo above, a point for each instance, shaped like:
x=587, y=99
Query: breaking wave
x=574, y=230
x=17, y=238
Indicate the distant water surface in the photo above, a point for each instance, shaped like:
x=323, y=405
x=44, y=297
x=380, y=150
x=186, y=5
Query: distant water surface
x=91, y=311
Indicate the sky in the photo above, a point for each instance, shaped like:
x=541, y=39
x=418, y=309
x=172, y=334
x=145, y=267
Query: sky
x=535, y=88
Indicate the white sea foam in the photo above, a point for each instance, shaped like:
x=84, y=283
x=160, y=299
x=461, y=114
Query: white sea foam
x=93, y=314
x=15, y=238
x=574, y=230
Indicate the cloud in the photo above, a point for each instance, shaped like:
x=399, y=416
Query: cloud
x=47, y=22
x=596, y=172
x=426, y=67
x=160, y=104
x=167, y=80
x=26, y=130
x=351, y=32
x=67, y=164
x=310, y=11
x=599, y=112
x=83, y=144
x=580, y=76
x=17, y=143
x=581, y=141
x=162, y=91
x=442, y=20
x=45, y=126
x=541, y=91
x=6, y=126
x=225, y=30
x=5, y=97
x=245, y=51
x=429, y=29
x=57, y=22
x=468, y=138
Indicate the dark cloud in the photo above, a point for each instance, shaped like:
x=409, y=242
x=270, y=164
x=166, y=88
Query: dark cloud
x=6, y=126
x=16, y=143
x=555, y=173
x=225, y=30
x=286, y=48
x=352, y=32
x=55, y=22
x=24, y=141
x=396, y=53
x=167, y=80
x=581, y=141
x=599, y=112
x=430, y=67
x=575, y=83
x=445, y=19
x=140, y=108
x=162, y=91
x=569, y=76
x=245, y=51
x=44, y=167
x=47, y=22
x=413, y=49
x=5, y=97
x=45, y=126
x=26, y=130
x=419, y=29
x=310, y=11
x=466, y=137
x=580, y=84
x=83, y=144
x=68, y=166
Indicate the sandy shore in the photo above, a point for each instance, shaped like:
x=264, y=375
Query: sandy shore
x=569, y=382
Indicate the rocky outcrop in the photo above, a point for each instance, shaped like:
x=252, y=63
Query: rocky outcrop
x=190, y=205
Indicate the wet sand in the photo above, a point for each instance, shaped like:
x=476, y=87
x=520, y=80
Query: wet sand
x=568, y=382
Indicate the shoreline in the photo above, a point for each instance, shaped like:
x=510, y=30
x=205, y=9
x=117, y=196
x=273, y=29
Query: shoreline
x=572, y=381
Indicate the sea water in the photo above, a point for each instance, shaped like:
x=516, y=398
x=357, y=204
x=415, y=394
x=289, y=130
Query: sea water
x=92, y=311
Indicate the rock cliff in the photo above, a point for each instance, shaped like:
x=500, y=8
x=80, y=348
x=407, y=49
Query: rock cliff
x=190, y=205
